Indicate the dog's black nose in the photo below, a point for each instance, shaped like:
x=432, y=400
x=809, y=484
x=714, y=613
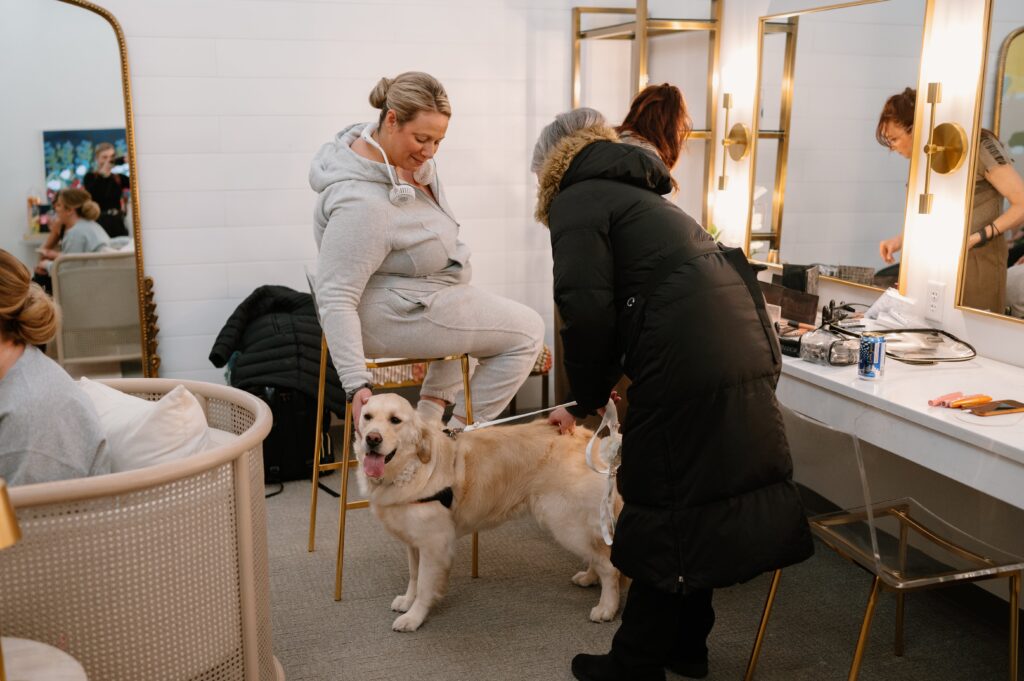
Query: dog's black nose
x=373, y=439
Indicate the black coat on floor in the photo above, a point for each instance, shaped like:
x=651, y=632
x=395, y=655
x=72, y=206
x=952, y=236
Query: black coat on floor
x=706, y=475
x=277, y=334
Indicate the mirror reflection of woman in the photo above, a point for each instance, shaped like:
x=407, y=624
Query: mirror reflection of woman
x=995, y=181
x=107, y=189
x=79, y=232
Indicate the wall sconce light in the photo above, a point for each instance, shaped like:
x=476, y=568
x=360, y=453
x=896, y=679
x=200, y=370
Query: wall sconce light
x=736, y=142
x=945, y=149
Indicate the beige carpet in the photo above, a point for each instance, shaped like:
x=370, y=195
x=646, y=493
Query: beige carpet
x=523, y=619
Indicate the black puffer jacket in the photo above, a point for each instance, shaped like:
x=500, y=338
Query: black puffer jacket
x=277, y=335
x=706, y=474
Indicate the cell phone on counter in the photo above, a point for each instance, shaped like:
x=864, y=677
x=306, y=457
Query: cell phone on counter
x=997, y=407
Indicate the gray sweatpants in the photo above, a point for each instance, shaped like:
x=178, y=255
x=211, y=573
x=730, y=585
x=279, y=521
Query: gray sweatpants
x=504, y=336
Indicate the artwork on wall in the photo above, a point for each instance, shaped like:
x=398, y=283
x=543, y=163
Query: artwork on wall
x=68, y=155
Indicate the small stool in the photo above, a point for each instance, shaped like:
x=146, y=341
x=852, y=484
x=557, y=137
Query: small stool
x=383, y=369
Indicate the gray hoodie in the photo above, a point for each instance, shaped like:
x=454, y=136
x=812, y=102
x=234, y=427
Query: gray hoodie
x=369, y=246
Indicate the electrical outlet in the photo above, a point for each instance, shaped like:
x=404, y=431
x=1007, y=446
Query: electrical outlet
x=934, y=298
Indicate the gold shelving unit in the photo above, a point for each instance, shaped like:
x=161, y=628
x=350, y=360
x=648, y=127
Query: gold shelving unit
x=640, y=29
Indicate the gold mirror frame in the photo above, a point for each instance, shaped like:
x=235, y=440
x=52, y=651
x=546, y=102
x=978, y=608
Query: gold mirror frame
x=774, y=23
x=147, y=306
x=1004, y=51
x=973, y=157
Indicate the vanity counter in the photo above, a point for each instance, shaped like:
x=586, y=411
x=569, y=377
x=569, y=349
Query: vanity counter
x=985, y=453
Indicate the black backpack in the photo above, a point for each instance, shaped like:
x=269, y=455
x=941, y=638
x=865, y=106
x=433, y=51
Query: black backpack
x=288, y=449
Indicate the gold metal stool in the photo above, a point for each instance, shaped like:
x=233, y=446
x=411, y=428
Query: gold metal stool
x=344, y=464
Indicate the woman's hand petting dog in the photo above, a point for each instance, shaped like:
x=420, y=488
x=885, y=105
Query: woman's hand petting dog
x=565, y=421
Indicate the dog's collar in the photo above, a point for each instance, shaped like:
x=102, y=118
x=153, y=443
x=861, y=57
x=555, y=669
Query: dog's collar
x=445, y=496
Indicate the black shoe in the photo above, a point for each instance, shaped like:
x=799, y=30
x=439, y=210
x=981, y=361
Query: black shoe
x=607, y=668
x=691, y=670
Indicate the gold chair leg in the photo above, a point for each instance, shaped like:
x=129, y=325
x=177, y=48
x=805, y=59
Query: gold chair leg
x=865, y=629
x=346, y=452
x=1014, y=622
x=475, y=572
x=318, y=443
x=752, y=663
x=900, y=596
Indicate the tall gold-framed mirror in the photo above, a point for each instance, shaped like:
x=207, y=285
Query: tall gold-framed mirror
x=827, y=187
x=991, y=276
x=68, y=191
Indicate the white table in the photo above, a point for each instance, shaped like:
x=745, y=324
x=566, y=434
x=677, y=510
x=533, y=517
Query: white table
x=27, y=660
x=984, y=453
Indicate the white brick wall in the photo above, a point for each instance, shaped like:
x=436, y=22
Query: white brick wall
x=232, y=99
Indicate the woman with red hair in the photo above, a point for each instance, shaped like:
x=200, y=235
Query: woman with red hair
x=658, y=121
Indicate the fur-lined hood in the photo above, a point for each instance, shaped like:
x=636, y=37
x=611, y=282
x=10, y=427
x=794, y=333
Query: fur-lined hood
x=558, y=161
x=595, y=153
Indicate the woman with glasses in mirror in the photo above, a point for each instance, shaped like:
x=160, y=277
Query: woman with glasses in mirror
x=995, y=182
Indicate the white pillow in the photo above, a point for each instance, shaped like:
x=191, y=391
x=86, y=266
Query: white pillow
x=141, y=433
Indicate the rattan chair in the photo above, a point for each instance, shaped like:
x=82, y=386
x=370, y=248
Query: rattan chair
x=388, y=374
x=158, y=573
x=903, y=545
x=99, y=300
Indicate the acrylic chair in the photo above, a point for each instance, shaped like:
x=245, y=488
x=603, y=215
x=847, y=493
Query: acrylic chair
x=388, y=374
x=903, y=545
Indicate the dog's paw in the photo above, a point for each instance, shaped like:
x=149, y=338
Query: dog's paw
x=602, y=613
x=402, y=603
x=407, y=622
x=585, y=578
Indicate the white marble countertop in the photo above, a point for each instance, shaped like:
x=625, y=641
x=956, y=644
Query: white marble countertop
x=985, y=453
x=905, y=390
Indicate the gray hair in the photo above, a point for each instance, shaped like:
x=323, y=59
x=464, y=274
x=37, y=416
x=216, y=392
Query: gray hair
x=564, y=125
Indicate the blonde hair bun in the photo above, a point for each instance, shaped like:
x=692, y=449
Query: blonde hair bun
x=27, y=314
x=37, y=323
x=90, y=210
x=379, y=95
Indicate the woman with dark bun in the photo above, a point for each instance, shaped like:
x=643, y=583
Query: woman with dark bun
x=48, y=427
x=659, y=122
x=393, y=275
x=995, y=182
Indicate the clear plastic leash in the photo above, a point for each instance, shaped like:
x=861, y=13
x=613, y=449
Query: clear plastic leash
x=487, y=424
x=610, y=451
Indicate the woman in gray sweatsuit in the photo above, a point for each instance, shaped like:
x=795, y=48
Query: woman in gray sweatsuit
x=393, y=276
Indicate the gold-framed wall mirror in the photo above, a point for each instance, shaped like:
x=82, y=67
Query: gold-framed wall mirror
x=68, y=192
x=825, y=188
x=616, y=52
x=992, y=264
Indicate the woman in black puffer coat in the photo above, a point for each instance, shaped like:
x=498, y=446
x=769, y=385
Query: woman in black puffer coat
x=706, y=476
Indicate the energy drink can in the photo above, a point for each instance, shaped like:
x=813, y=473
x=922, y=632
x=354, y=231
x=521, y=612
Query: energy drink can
x=871, y=362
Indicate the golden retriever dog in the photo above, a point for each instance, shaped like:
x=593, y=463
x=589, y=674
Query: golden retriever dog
x=428, y=490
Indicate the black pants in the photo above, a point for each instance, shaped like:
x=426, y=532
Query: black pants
x=660, y=628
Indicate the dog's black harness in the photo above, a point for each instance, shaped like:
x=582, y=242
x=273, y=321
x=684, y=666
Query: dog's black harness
x=445, y=496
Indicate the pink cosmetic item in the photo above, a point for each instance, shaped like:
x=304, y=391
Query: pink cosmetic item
x=944, y=400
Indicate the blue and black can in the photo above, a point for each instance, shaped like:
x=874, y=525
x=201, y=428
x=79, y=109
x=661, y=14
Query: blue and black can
x=871, y=363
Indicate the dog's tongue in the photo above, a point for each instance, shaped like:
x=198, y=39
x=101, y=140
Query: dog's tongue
x=373, y=465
